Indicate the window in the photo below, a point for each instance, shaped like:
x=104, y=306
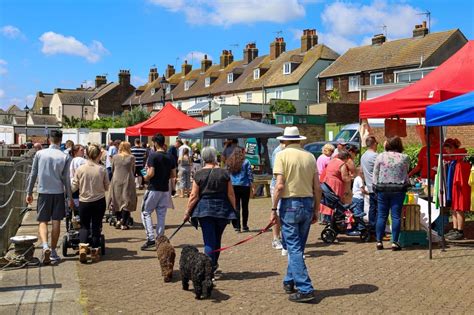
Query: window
x=86, y=111
x=157, y=106
x=376, y=78
x=249, y=96
x=188, y=84
x=180, y=104
x=287, y=68
x=207, y=82
x=329, y=84
x=230, y=77
x=256, y=74
x=278, y=94
x=353, y=83
x=411, y=76
x=168, y=89
x=222, y=99
x=152, y=91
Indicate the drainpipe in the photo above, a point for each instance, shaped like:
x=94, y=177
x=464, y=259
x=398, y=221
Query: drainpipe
x=317, y=88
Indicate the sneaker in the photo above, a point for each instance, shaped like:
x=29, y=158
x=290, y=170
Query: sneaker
x=396, y=246
x=55, y=259
x=245, y=229
x=147, y=245
x=301, y=297
x=450, y=232
x=455, y=236
x=276, y=244
x=289, y=288
x=46, y=256
x=284, y=252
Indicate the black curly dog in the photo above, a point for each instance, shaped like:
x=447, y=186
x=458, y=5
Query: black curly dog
x=197, y=267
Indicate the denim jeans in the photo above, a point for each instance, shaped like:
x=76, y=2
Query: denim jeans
x=358, y=210
x=393, y=202
x=212, y=230
x=295, y=217
x=372, y=210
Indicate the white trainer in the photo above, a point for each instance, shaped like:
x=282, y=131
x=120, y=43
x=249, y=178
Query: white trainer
x=276, y=244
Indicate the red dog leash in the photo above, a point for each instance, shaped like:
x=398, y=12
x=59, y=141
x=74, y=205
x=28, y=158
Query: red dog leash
x=245, y=239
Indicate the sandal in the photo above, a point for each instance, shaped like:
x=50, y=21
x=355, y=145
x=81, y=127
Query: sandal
x=396, y=246
x=379, y=245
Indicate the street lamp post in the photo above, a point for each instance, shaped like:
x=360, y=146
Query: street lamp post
x=209, y=98
x=164, y=85
x=27, y=110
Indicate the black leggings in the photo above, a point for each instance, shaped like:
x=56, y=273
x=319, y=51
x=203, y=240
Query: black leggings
x=242, y=193
x=91, y=214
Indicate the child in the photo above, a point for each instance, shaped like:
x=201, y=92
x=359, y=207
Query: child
x=358, y=192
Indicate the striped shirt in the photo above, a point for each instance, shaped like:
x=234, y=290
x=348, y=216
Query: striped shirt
x=139, y=153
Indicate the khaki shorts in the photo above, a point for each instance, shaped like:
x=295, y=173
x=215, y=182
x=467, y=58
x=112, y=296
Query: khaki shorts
x=51, y=207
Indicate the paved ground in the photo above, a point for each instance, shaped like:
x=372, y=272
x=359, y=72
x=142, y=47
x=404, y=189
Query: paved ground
x=348, y=276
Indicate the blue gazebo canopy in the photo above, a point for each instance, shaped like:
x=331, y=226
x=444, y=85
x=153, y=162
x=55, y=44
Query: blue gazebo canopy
x=455, y=111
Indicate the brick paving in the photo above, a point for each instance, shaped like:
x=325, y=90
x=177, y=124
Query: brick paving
x=348, y=276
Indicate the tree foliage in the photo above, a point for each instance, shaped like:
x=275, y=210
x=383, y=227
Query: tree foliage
x=283, y=107
x=135, y=116
x=334, y=95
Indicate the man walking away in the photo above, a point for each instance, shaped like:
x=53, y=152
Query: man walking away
x=298, y=188
x=51, y=168
x=160, y=169
x=367, y=161
x=140, y=157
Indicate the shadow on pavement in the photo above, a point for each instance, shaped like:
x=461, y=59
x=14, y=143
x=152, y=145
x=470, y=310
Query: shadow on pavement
x=123, y=254
x=246, y=275
x=183, y=245
x=330, y=253
x=217, y=296
x=352, y=290
x=124, y=240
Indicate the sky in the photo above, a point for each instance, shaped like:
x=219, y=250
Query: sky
x=52, y=44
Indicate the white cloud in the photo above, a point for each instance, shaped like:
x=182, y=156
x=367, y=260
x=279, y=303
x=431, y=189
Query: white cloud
x=296, y=33
x=195, y=56
x=347, y=20
x=2, y=93
x=11, y=31
x=3, y=67
x=229, y=12
x=30, y=99
x=54, y=43
x=138, y=81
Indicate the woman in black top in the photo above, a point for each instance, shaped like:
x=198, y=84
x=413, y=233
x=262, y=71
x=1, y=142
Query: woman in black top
x=212, y=202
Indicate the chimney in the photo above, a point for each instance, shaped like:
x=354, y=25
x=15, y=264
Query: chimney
x=205, y=64
x=420, y=30
x=185, y=68
x=378, y=39
x=277, y=47
x=39, y=94
x=100, y=80
x=226, y=58
x=308, y=40
x=170, y=71
x=124, y=77
x=250, y=53
x=57, y=90
x=152, y=75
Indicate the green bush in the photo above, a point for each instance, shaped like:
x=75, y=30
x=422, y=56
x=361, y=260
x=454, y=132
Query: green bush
x=411, y=150
x=283, y=106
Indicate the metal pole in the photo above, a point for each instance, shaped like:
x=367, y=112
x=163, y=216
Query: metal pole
x=26, y=126
x=428, y=146
x=441, y=188
x=210, y=110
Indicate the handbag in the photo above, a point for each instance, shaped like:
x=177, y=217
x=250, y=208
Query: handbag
x=194, y=221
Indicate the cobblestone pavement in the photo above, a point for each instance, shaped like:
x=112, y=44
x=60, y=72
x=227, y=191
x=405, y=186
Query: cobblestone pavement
x=348, y=276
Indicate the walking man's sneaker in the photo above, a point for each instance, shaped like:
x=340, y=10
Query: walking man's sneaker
x=46, y=256
x=455, y=236
x=301, y=297
x=284, y=252
x=289, y=288
x=55, y=259
x=276, y=244
x=147, y=245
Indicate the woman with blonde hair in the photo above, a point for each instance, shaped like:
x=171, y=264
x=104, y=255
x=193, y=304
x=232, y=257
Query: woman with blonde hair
x=323, y=160
x=92, y=181
x=123, y=195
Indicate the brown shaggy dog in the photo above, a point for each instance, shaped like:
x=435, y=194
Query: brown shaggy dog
x=166, y=256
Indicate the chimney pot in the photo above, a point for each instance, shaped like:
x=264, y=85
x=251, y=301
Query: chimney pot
x=185, y=68
x=420, y=30
x=309, y=39
x=124, y=77
x=205, y=64
x=378, y=39
x=277, y=48
x=250, y=53
x=170, y=71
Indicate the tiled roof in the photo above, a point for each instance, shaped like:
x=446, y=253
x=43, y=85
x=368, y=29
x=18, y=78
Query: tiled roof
x=197, y=89
x=391, y=54
x=42, y=101
x=20, y=120
x=44, y=119
x=12, y=109
x=104, y=89
x=75, y=97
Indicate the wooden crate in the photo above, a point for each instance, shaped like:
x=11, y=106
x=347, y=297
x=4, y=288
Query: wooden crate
x=411, y=217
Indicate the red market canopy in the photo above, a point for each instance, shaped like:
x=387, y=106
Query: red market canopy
x=169, y=122
x=452, y=78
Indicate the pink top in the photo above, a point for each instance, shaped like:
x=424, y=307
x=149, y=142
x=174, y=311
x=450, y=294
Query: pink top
x=322, y=162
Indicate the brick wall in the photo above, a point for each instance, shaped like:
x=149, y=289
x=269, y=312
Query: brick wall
x=112, y=101
x=311, y=132
x=342, y=113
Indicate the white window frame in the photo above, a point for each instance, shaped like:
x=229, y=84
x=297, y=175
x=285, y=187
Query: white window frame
x=222, y=99
x=256, y=74
x=188, y=84
x=329, y=87
x=424, y=72
x=374, y=77
x=152, y=91
x=230, y=77
x=351, y=87
x=287, y=68
x=248, y=97
x=207, y=82
x=168, y=89
x=278, y=94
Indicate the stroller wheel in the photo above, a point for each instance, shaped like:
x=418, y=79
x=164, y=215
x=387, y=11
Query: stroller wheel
x=64, y=245
x=364, y=235
x=102, y=244
x=328, y=235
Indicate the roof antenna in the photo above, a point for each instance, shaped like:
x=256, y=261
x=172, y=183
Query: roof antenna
x=234, y=45
x=428, y=15
x=384, y=29
x=176, y=63
x=279, y=33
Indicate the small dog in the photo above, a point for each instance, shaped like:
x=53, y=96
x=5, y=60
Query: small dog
x=197, y=267
x=166, y=256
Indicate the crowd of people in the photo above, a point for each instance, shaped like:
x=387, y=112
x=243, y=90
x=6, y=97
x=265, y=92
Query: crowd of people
x=94, y=178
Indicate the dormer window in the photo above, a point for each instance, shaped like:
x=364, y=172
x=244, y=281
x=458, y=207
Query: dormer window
x=168, y=89
x=256, y=74
x=287, y=68
x=207, y=82
x=152, y=91
x=230, y=77
x=188, y=84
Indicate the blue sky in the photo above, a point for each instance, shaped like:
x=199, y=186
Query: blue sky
x=48, y=44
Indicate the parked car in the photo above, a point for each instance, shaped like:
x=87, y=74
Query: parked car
x=350, y=133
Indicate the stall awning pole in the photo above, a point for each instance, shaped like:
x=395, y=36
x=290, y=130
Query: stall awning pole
x=428, y=145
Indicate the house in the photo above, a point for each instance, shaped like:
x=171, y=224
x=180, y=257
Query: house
x=41, y=103
x=72, y=103
x=386, y=66
x=34, y=127
x=145, y=96
x=6, y=117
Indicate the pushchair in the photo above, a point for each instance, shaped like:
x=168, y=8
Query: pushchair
x=111, y=217
x=339, y=220
x=71, y=238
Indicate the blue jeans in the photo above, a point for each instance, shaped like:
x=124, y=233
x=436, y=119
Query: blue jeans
x=389, y=201
x=212, y=230
x=372, y=210
x=358, y=210
x=295, y=217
